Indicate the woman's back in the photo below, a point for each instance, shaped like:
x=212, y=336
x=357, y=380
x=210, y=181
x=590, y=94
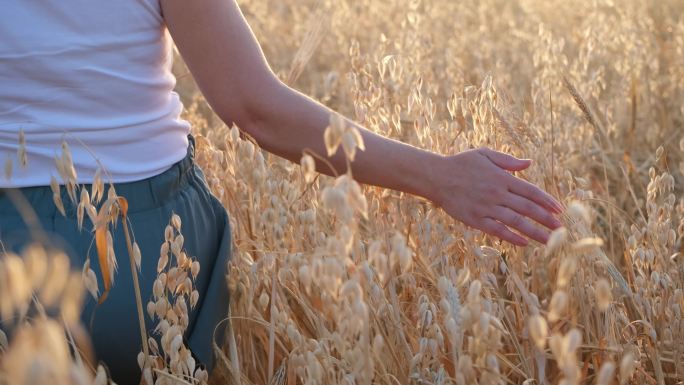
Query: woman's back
x=92, y=72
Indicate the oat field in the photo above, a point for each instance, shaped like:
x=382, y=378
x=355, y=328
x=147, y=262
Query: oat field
x=335, y=283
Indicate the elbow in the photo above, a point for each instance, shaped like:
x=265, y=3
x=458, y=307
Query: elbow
x=253, y=109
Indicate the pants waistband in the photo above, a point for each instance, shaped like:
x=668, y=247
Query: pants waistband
x=141, y=195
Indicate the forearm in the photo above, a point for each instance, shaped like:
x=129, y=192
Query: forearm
x=286, y=123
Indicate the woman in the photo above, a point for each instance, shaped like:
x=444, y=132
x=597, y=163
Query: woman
x=97, y=74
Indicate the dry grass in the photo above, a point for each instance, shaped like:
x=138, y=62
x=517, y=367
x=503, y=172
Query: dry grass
x=336, y=283
x=323, y=293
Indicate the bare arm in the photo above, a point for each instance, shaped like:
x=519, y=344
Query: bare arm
x=230, y=69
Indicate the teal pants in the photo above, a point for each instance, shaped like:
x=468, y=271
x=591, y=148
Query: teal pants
x=113, y=325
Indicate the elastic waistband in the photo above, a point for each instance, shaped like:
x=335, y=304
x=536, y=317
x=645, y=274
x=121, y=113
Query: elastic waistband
x=141, y=195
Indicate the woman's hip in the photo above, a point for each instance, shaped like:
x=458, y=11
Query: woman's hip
x=113, y=325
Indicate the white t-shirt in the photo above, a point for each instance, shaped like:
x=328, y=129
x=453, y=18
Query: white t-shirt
x=96, y=73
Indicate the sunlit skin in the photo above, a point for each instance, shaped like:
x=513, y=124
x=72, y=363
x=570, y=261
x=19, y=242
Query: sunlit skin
x=475, y=187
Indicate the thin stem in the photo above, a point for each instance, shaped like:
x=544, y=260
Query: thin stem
x=138, y=296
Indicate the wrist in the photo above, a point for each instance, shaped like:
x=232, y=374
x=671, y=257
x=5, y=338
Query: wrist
x=425, y=178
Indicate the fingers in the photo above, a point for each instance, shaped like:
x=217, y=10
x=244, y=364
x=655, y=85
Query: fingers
x=529, y=191
x=497, y=229
x=519, y=186
x=506, y=161
x=521, y=224
x=532, y=210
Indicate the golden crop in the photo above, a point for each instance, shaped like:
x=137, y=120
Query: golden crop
x=336, y=283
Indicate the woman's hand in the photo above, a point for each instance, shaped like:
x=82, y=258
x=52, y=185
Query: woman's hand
x=477, y=188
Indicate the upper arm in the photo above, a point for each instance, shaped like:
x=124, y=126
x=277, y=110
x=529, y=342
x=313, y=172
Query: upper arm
x=222, y=53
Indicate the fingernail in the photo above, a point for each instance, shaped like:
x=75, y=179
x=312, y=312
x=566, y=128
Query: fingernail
x=558, y=207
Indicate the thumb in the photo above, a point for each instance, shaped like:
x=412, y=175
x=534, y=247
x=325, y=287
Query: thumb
x=507, y=162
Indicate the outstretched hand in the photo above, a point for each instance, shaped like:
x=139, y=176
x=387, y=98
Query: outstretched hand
x=477, y=188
